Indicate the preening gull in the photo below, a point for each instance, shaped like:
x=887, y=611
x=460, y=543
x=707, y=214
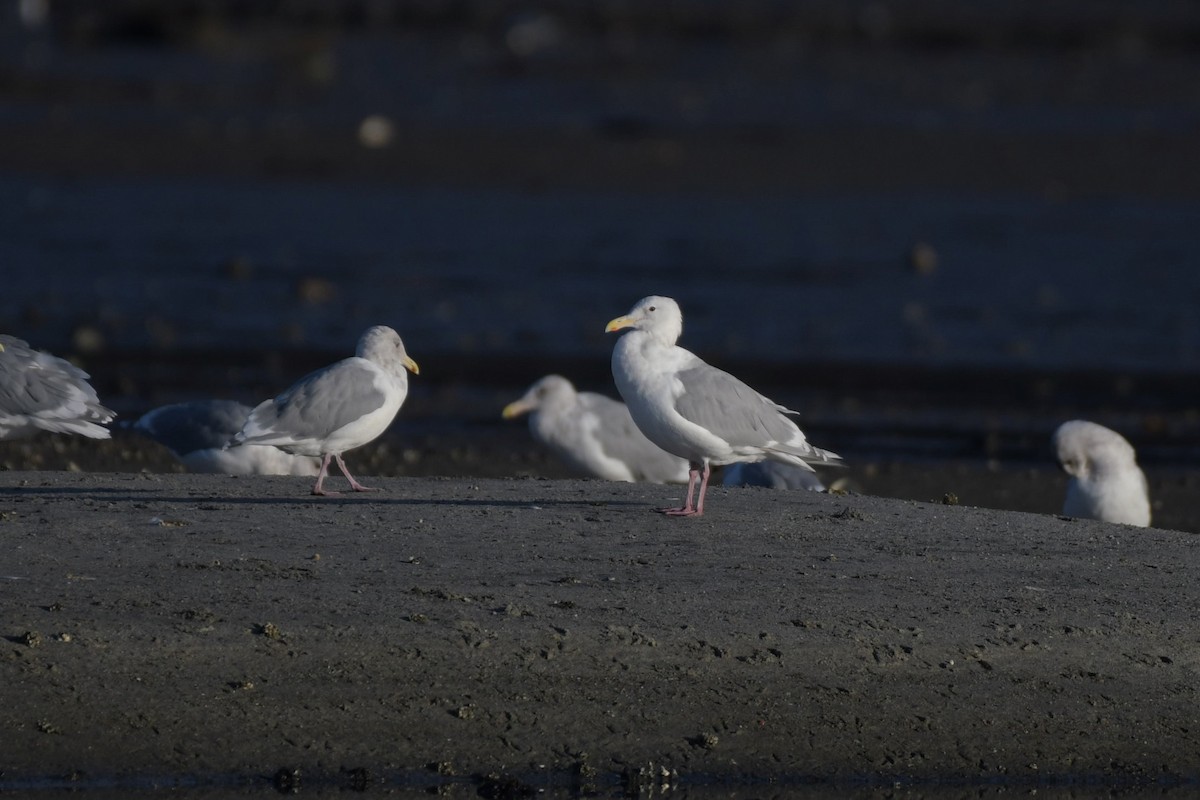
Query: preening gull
x=694, y=410
x=1106, y=482
x=338, y=408
x=593, y=434
x=39, y=391
x=198, y=432
x=771, y=474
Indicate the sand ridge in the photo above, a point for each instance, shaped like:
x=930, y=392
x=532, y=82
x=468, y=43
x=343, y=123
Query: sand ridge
x=189, y=626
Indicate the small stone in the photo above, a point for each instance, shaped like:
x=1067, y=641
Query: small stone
x=271, y=631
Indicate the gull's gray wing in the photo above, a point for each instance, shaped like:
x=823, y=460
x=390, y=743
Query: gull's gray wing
x=320, y=403
x=48, y=389
x=719, y=402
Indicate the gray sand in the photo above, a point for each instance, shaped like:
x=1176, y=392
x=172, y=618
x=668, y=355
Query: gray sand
x=189, y=627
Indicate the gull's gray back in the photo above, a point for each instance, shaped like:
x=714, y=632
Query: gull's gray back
x=197, y=425
x=323, y=401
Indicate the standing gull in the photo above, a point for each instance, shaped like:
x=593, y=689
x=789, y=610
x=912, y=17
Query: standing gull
x=338, y=408
x=1106, y=482
x=39, y=391
x=197, y=433
x=694, y=410
x=593, y=434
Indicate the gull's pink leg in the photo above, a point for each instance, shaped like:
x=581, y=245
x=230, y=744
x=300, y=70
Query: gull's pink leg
x=703, y=489
x=317, y=490
x=686, y=510
x=355, y=485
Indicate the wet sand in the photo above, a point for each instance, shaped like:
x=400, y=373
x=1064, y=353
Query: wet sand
x=191, y=628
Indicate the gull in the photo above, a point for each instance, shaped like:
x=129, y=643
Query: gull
x=1106, y=482
x=694, y=410
x=593, y=434
x=39, y=391
x=197, y=433
x=337, y=408
x=771, y=474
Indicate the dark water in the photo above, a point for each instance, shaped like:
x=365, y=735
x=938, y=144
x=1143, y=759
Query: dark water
x=937, y=234
x=1035, y=311
x=203, y=264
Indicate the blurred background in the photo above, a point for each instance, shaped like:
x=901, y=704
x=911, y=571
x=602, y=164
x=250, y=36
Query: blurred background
x=936, y=228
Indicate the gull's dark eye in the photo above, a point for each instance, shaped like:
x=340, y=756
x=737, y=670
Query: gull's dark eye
x=651, y=308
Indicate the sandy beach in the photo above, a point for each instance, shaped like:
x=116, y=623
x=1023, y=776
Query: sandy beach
x=192, y=629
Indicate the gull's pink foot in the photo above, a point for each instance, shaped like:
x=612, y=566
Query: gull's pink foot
x=686, y=510
x=355, y=485
x=682, y=512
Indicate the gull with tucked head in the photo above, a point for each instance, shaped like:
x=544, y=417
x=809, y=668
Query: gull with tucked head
x=39, y=391
x=198, y=432
x=772, y=475
x=593, y=434
x=694, y=410
x=338, y=408
x=1106, y=482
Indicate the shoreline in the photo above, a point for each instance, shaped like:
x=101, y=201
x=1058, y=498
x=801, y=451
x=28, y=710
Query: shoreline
x=507, y=452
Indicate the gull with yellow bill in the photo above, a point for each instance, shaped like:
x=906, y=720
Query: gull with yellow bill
x=694, y=410
x=338, y=408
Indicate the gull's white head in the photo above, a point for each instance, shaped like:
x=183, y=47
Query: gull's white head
x=658, y=316
x=549, y=391
x=382, y=345
x=1086, y=450
x=1106, y=482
